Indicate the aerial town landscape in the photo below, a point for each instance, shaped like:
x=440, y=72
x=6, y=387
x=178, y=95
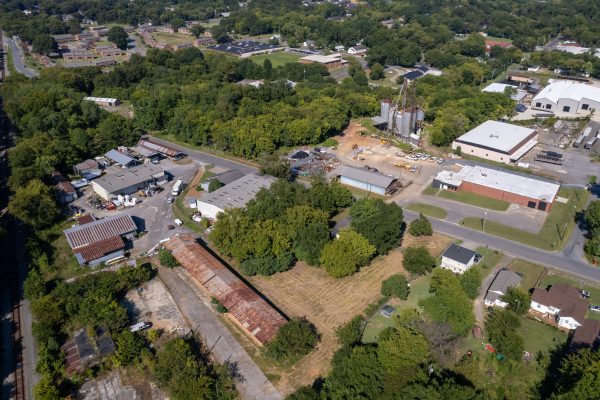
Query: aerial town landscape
x=297, y=199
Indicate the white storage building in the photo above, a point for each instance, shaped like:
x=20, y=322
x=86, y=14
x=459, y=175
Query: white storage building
x=568, y=97
x=363, y=179
x=128, y=181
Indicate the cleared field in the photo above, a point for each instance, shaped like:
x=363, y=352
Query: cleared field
x=172, y=38
x=556, y=229
x=330, y=303
x=530, y=272
x=579, y=284
x=432, y=211
x=277, y=59
x=475, y=200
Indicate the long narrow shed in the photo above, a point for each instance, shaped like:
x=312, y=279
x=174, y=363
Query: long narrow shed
x=252, y=312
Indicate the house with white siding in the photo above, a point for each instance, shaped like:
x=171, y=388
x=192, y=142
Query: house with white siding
x=561, y=303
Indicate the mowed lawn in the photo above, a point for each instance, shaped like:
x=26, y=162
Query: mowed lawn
x=579, y=284
x=539, y=336
x=172, y=38
x=278, y=58
x=419, y=289
x=475, y=200
x=429, y=210
x=530, y=272
x=556, y=229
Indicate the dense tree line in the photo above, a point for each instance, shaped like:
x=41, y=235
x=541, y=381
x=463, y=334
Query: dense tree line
x=284, y=223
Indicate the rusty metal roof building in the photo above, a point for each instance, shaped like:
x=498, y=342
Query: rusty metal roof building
x=100, y=249
x=259, y=318
x=83, y=235
x=161, y=149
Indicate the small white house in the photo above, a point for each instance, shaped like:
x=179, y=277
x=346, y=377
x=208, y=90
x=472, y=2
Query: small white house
x=358, y=49
x=503, y=280
x=458, y=259
x=561, y=302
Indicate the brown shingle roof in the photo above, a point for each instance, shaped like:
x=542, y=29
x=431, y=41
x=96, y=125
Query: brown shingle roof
x=61, y=184
x=564, y=297
x=101, y=248
x=83, y=235
x=586, y=335
x=260, y=319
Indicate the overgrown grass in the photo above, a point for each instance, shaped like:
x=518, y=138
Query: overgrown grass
x=475, y=200
x=530, y=272
x=185, y=213
x=429, y=210
x=554, y=233
x=594, y=289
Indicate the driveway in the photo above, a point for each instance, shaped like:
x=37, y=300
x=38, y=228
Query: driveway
x=198, y=313
x=478, y=304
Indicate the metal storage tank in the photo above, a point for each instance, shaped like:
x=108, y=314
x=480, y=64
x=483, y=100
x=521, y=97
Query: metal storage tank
x=398, y=123
x=405, y=128
x=385, y=109
x=420, y=116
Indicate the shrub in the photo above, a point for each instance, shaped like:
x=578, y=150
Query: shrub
x=417, y=260
x=166, y=259
x=396, y=286
x=293, y=341
x=351, y=333
x=346, y=254
x=420, y=227
x=214, y=185
x=470, y=282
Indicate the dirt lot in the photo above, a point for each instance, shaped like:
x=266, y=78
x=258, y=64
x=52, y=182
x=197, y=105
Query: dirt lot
x=329, y=303
x=121, y=385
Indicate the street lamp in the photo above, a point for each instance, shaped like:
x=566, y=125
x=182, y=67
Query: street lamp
x=484, y=217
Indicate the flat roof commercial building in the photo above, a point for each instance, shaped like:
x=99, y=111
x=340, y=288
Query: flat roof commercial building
x=363, y=179
x=568, y=97
x=234, y=195
x=250, y=311
x=501, y=185
x=497, y=141
x=128, y=181
x=245, y=48
x=330, y=61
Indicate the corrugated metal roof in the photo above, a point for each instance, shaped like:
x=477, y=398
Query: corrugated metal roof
x=100, y=248
x=120, y=158
x=239, y=192
x=260, y=319
x=363, y=175
x=157, y=147
x=83, y=235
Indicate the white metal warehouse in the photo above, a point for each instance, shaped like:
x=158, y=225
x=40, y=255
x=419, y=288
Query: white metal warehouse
x=568, y=97
x=366, y=180
x=128, y=181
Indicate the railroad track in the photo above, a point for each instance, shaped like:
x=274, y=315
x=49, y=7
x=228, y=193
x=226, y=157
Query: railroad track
x=19, y=389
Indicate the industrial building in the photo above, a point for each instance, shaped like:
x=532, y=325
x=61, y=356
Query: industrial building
x=497, y=141
x=87, y=167
x=568, y=97
x=100, y=240
x=252, y=313
x=364, y=179
x=406, y=124
x=245, y=48
x=225, y=178
x=164, y=150
x=496, y=184
x=234, y=195
x=457, y=259
x=330, y=61
x=65, y=192
x=503, y=280
x=518, y=95
x=128, y=181
x=122, y=159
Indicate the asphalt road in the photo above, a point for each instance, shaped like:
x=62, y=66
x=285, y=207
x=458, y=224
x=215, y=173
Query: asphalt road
x=17, y=56
x=205, y=158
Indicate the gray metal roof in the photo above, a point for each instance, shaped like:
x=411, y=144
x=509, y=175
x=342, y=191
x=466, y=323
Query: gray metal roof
x=120, y=180
x=239, y=192
x=459, y=254
x=366, y=176
x=228, y=177
x=120, y=158
x=504, y=279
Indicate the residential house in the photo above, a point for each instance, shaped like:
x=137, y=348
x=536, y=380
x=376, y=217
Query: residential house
x=562, y=304
x=359, y=49
x=458, y=259
x=504, y=279
x=65, y=192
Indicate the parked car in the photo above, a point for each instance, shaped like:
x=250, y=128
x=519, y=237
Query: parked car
x=169, y=199
x=595, y=308
x=178, y=222
x=585, y=293
x=520, y=108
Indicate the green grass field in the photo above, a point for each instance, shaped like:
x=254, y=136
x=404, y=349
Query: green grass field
x=419, y=289
x=172, y=38
x=579, y=284
x=490, y=258
x=530, y=272
x=475, y=200
x=277, y=59
x=539, y=336
x=430, y=191
x=556, y=229
x=429, y=210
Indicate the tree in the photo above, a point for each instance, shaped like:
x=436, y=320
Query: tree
x=578, y=378
x=293, y=341
x=44, y=44
x=401, y=351
x=166, y=259
x=420, y=226
x=592, y=247
x=118, y=36
x=275, y=166
x=45, y=389
x=346, y=254
x=34, y=204
x=198, y=30
x=449, y=303
x=517, y=299
x=417, y=260
x=356, y=374
x=379, y=222
x=129, y=347
x=351, y=333
x=377, y=72
x=501, y=327
x=592, y=217
x=214, y=184
x=470, y=281
x=395, y=286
